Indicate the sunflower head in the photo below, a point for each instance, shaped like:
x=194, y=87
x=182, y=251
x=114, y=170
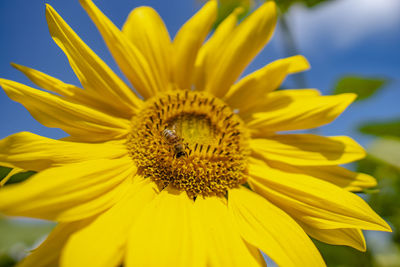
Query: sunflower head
x=191, y=140
x=199, y=168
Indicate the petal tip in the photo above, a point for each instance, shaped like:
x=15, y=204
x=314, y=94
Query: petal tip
x=269, y=6
x=386, y=227
x=211, y=4
x=84, y=2
x=49, y=8
x=17, y=66
x=352, y=97
x=238, y=11
x=305, y=62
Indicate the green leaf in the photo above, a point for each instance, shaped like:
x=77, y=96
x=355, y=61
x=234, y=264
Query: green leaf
x=362, y=86
x=16, y=178
x=3, y=172
x=7, y=261
x=387, y=150
x=382, y=129
x=20, y=177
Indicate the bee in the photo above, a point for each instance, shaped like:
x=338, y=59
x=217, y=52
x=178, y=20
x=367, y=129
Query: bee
x=171, y=138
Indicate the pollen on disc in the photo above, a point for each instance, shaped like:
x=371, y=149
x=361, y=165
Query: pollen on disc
x=190, y=140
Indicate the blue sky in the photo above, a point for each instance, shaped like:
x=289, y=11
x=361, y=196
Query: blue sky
x=341, y=37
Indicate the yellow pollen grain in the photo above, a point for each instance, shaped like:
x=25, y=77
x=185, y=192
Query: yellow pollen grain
x=190, y=140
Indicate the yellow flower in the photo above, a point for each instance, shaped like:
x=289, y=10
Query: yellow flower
x=194, y=173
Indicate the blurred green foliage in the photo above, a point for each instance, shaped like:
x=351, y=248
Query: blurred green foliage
x=387, y=202
x=383, y=163
x=284, y=5
x=18, y=237
x=6, y=260
x=364, y=87
x=387, y=150
x=342, y=256
x=226, y=7
x=383, y=129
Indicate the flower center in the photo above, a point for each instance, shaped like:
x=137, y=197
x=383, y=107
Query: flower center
x=190, y=140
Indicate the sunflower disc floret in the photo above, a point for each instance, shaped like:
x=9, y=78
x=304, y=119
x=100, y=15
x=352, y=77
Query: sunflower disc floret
x=207, y=155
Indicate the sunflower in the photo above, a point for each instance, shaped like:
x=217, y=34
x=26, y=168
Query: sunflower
x=194, y=171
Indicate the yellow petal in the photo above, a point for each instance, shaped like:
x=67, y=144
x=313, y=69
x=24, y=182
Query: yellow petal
x=299, y=113
x=47, y=82
x=128, y=57
x=248, y=90
x=342, y=177
x=343, y=236
x=202, y=67
x=75, y=119
x=265, y=226
x=146, y=30
x=225, y=247
x=33, y=152
x=240, y=48
x=257, y=254
x=76, y=94
x=275, y=101
x=71, y=192
x=167, y=233
x=93, y=73
x=48, y=253
x=188, y=41
x=308, y=149
x=317, y=203
x=103, y=242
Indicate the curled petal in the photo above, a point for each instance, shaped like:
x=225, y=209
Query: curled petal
x=341, y=236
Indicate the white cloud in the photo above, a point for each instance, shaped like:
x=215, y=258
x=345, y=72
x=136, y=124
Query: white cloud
x=343, y=23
